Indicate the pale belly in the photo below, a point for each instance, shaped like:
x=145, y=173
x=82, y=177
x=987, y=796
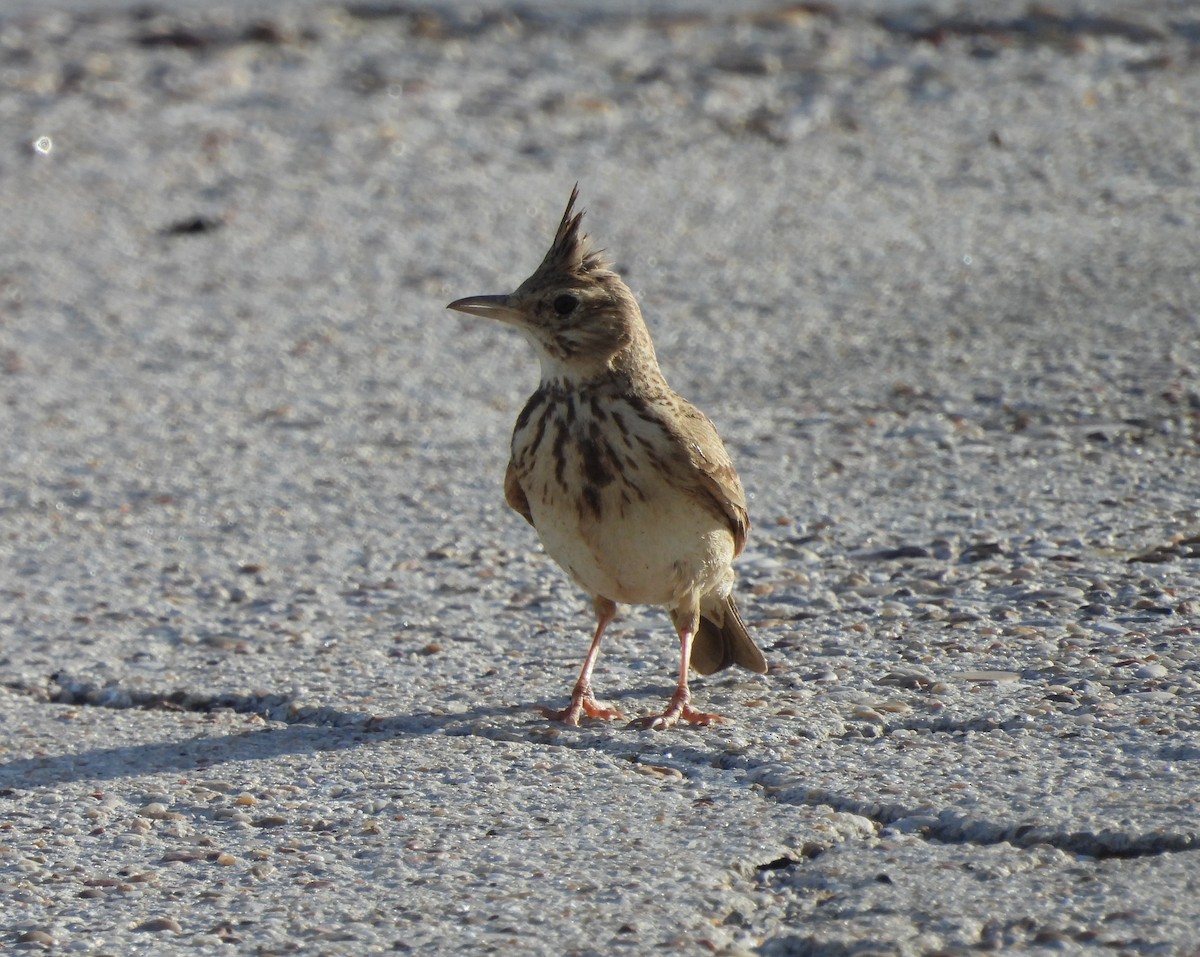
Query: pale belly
x=592, y=471
x=665, y=550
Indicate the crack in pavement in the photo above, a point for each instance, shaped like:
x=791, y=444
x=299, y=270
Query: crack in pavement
x=948, y=826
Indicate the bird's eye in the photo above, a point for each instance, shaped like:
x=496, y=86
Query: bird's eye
x=565, y=304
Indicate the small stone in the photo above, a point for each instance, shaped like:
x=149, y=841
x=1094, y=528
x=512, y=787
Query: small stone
x=159, y=924
x=1152, y=670
x=217, y=785
x=37, y=937
x=184, y=856
x=988, y=675
x=659, y=771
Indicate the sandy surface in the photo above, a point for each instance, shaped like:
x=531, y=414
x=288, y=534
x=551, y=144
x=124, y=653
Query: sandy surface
x=271, y=645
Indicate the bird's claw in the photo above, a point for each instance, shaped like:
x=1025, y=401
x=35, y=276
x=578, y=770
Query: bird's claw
x=579, y=707
x=673, y=715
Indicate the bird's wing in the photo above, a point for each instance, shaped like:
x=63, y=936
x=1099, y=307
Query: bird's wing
x=515, y=495
x=715, y=476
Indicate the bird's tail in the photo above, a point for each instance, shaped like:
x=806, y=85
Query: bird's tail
x=722, y=640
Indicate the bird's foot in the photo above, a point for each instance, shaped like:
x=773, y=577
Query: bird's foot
x=676, y=711
x=582, y=704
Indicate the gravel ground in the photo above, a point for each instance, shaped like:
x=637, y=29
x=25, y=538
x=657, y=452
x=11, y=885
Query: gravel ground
x=272, y=646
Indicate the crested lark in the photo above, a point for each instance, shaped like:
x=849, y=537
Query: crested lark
x=627, y=483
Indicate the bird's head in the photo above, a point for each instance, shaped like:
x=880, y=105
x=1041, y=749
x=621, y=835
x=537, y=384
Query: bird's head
x=578, y=313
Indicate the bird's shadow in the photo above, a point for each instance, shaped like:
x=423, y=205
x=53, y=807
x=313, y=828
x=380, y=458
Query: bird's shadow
x=333, y=731
x=201, y=753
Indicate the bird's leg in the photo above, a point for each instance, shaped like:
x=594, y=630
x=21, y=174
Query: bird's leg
x=582, y=699
x=678, y=708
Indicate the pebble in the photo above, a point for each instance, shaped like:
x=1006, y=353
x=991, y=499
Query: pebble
x=1112, y=629
x=999, y=676
x=1156, y=697
x=161, y=925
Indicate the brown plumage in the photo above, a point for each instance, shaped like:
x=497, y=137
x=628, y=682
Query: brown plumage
x=628, y=484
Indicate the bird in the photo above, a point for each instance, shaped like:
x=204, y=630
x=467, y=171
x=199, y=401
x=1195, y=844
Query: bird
x=627, y=484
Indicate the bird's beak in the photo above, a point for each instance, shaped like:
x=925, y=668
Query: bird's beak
x=490, y=307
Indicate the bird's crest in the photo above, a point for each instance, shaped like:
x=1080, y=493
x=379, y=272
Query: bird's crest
x=572, y=252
